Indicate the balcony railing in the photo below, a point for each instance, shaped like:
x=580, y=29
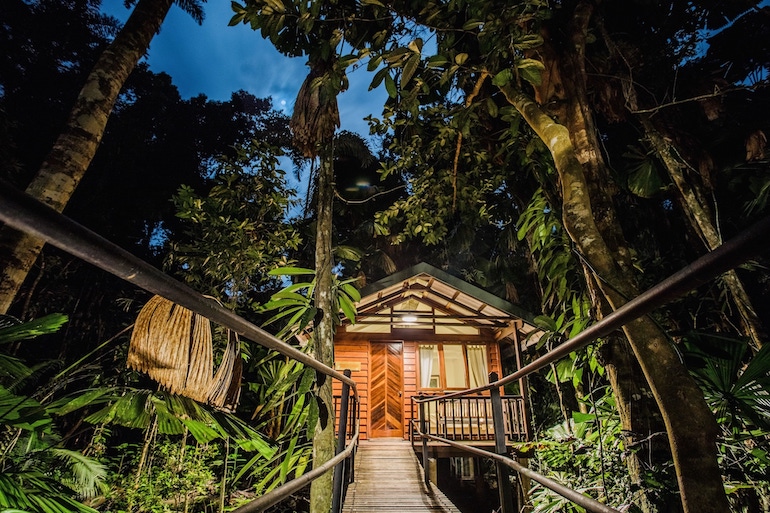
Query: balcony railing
x=469, y=419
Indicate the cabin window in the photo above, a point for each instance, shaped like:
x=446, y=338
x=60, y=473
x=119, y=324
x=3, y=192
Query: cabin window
x=452, y=366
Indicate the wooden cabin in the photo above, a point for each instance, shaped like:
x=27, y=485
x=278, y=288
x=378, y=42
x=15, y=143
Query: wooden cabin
x=424, y=332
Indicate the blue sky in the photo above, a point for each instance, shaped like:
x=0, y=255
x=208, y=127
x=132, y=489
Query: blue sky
x=216, y=60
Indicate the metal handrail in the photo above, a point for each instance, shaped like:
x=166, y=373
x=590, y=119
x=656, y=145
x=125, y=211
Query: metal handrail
x=24, y=213
x=574, y=496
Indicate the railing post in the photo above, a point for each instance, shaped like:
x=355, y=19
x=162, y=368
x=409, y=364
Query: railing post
x=503, y=480
x=342, y=435
x=423, y=430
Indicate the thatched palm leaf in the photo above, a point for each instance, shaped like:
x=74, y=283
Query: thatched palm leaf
x=174, y=347
x=227, y=390
x=315, y=116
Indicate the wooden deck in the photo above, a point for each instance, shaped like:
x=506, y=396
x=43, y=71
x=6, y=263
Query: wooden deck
x=389, y=479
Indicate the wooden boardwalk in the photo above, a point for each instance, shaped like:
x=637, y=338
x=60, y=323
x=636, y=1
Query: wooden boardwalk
x=389, y=479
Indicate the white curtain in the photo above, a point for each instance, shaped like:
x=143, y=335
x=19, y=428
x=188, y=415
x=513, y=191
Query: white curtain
x=477, y=365
x=426, y=364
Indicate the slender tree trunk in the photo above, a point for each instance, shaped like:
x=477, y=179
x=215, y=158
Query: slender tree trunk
x=323, y=439
x=75, y=147
x=690, y=425
x=700, y=219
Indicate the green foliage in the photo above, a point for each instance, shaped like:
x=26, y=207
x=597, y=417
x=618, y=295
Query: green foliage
x=237, y=232
x=295, y=302
x=38, y=474
x=586, y=455
x=735, y=385
x=183, y=477
x=34, y=328
x=643, y=177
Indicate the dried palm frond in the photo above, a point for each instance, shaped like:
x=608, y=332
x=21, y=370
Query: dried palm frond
x=315, y=116
x=174, y=347
x=226, y=389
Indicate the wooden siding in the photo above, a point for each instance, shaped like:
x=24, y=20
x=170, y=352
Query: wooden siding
x=355, y=350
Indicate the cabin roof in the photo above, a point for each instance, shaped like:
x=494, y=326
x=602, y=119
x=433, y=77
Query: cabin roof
x=423, y=297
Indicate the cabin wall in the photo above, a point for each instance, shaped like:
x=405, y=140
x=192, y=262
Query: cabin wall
x=355, y=354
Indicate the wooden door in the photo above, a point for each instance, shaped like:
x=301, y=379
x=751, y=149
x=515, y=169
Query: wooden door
x=385, y=390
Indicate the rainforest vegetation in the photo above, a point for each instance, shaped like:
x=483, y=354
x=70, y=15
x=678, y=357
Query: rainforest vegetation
x=565, y=155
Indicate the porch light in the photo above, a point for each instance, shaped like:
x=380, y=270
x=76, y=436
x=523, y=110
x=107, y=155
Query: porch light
x=409, y=318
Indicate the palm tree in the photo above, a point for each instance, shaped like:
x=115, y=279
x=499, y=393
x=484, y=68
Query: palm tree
x=75, y=147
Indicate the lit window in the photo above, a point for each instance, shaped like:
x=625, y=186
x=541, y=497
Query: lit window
x=452, y=366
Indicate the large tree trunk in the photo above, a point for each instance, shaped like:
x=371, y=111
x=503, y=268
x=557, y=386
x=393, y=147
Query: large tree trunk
x=323, y=439
x=690, y=425
x=564, y=87
x=75, y=147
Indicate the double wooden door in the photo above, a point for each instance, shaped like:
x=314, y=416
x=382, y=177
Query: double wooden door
x=386, y=418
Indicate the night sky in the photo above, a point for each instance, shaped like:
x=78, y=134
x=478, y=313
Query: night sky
x=216, y=60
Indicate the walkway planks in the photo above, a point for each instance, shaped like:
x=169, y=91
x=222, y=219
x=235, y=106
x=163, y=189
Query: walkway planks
x=389, y=479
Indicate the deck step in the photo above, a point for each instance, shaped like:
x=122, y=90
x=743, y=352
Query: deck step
x=389, y=478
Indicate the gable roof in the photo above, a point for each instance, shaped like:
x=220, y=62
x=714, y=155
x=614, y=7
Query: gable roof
x=435, y=298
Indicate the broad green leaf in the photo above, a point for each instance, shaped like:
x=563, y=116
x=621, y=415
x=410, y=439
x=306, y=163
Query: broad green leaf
x=530, y=70
x=390, y=86
x=291, y=271
x=89, y=398
x=528, y=41
x=545, y=322
x=416, y=45
x=491, y=107
x=644, y=180
x=287, y=459
x=308, y=378
x=351, y=291
x=348, y=308
x=34, y=328
x=374, y=63
x=285, y=294
x=409, y=69
x=503, y=78
x=436, y=61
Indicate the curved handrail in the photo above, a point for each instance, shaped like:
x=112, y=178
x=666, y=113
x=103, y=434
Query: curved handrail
x=574, y=496
x=283, y=491
x=26, y=214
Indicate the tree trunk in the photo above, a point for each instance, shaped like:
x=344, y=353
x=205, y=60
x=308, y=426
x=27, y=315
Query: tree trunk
x=75, y=147
x=690, y=425
x=564, y=87
x=323, y=439
x=700, y=219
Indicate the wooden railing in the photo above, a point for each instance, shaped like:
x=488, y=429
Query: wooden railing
x=469, y=418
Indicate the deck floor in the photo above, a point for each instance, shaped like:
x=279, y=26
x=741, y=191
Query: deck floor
x=389, y=479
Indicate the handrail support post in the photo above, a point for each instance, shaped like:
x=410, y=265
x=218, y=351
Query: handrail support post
x=342, y=435
x=424, y=430
x=503, y=475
